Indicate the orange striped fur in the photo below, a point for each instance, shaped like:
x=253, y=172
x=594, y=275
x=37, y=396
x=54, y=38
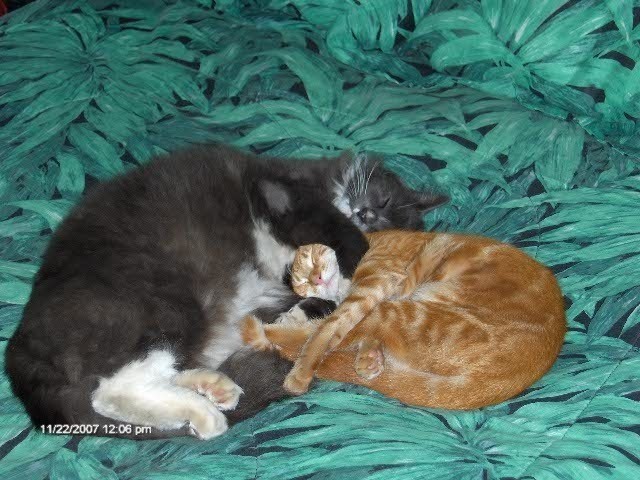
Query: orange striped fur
x=437, y=320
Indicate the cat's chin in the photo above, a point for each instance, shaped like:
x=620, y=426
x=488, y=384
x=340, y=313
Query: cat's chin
x=328, y=292
x=343, y=287
x=331, y=291
x=363, y=227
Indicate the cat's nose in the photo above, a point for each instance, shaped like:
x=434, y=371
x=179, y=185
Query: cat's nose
x=316, y=279
x=367, y=215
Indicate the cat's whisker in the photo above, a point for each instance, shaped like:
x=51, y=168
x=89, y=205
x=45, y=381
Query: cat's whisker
x=369, y=177
x=352, y=189
x=360, y=176
x=356, y=183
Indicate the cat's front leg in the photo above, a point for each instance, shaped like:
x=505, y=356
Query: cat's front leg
x=315, y=276
x=299, y=378
x=306, y=310
x=327, y=226
x=286, y=339
x=215, y=386
x=369, y=291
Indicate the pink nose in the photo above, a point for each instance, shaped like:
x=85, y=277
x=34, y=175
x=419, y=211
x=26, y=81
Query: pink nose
x=317, y=279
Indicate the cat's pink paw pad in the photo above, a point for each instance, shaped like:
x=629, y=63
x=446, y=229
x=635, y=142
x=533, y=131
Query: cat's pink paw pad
x=215, y=386
x=369, y=363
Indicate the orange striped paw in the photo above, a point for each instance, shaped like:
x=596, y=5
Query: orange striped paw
x=252, y=331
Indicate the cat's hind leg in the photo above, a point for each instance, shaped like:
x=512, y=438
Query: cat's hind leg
x=143, y=392
x=216, y=386
x=369, y=359
x=389, y=324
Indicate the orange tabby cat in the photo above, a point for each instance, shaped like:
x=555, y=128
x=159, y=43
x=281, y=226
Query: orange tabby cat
x=437, y=320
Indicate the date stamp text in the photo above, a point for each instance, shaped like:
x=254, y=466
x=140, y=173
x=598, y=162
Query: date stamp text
x=95, y=429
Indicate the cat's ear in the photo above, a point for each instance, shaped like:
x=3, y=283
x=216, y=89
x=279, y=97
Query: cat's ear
x=430, y=200
x=350, y=165
x=341, y=163
x=275, y=196
x=345, y=157
x=350, y=159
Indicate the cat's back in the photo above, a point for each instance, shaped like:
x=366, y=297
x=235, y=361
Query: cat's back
x=488, y=265
x=177, y=213
x=476, y=322
x=480, y=264
x=398, y=244
x=193, y=180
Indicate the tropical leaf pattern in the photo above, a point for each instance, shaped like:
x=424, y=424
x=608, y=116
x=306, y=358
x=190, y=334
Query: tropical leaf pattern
x=525, y=112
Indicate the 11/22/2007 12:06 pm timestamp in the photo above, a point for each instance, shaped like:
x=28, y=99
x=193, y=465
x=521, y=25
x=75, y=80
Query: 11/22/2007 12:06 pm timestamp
x=95, y=429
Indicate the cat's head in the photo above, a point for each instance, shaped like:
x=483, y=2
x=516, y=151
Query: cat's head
x=315, y=272
x=376, y=199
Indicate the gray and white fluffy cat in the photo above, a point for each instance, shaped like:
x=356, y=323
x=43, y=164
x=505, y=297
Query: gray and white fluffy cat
x=134, y=313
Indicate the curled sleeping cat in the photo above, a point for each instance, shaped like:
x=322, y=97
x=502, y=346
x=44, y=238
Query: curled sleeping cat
x=134, y=314
x=436, y=320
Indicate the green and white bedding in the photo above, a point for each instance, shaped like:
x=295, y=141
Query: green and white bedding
x=527, y=113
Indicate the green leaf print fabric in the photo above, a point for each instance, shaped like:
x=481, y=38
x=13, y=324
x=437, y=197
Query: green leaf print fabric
x=526, y=113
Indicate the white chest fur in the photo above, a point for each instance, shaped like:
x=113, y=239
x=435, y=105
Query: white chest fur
x=255, y=288
x=252, y=291
x=272, y=255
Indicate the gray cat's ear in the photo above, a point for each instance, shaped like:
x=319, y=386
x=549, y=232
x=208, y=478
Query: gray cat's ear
x=342, y=162
x=350, y=163
x=275, y=195
x=430, y=200
x=361, y=159
x=345, y=157
x=349, y=158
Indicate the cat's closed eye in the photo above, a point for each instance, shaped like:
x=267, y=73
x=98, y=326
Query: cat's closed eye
x=384, y=202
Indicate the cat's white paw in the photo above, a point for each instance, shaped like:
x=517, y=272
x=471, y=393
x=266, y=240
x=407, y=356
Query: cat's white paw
x=294, y=317
x=207, y=422
x=215, y=386
x=224, y=393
